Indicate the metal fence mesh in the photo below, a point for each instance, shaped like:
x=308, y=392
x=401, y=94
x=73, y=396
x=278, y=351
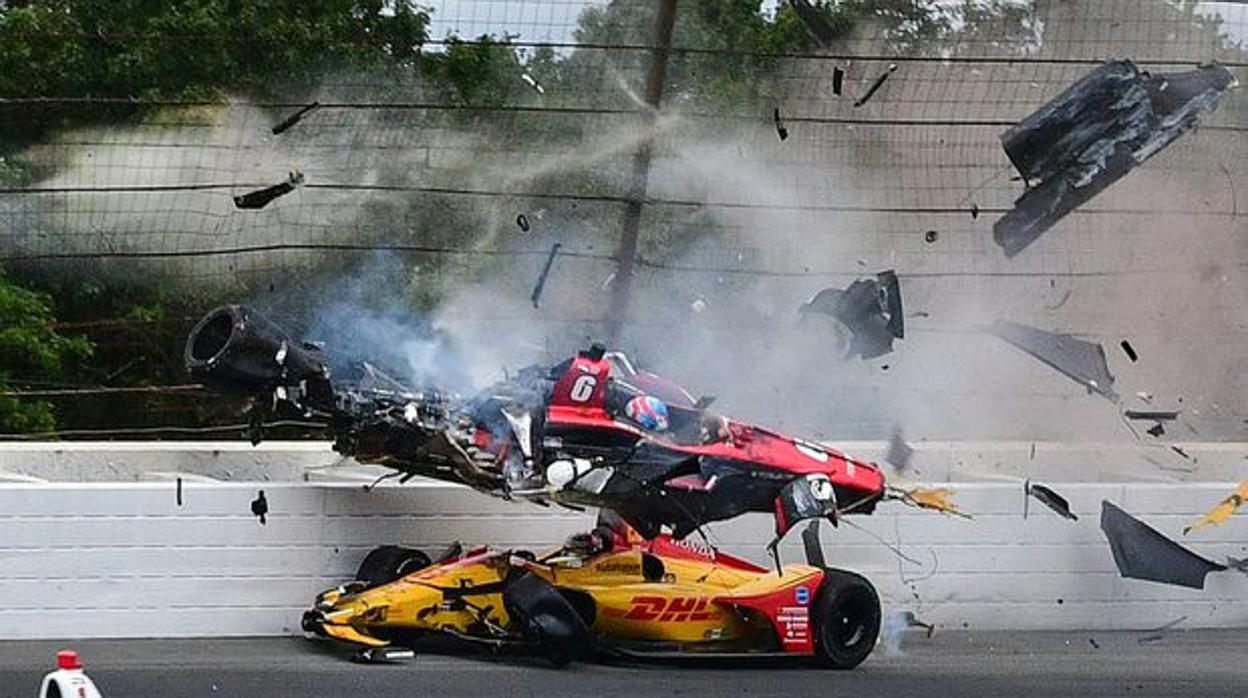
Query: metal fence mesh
x=428, y=190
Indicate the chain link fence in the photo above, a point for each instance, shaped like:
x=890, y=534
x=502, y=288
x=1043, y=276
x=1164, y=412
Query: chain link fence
x=447, y=194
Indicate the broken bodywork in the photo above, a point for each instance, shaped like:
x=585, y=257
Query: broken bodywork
x=606, y=592
x=1094, y=133
x=1223, y=510
x=1078, y=359
x=556, y=433
x=1142, y=553
x=869, y=313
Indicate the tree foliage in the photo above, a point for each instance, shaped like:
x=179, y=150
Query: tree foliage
x=31, y=349
x=187, y=49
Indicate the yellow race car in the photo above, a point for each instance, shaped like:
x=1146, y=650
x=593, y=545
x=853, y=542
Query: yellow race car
x=608, y=592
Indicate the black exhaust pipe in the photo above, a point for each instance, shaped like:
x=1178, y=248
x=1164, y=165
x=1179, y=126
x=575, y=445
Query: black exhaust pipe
x=234, y=349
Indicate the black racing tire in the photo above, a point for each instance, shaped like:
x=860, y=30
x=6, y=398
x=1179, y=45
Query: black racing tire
x=846, y=620
x=546, y=619
x=556, y=651
x=388, y=563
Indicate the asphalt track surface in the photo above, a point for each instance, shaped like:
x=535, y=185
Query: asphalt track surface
x=952, y=663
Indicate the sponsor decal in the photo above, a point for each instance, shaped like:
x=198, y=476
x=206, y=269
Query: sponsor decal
x=794, y=625
x=801, y=595
x=676, y=609
x=619, y=567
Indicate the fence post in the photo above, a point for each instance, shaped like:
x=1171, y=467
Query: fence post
x=630, y=221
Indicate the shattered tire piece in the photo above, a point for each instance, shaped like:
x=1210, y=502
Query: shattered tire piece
x=1080, y=360
x=536, y=296
x=295, y=118
x=260, y=508
x=1142, y=553
x=263, y=197
x=875, y=86
x=1094, y=133
x=781, y=131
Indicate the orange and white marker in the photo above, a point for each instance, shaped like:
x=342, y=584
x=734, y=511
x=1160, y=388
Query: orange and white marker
x=69, y=680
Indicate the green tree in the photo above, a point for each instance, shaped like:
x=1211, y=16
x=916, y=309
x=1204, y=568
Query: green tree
x=30, y=346
x=188, y=49
x=736, y=45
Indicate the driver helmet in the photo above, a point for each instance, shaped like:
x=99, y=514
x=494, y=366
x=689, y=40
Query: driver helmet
x=649, y=412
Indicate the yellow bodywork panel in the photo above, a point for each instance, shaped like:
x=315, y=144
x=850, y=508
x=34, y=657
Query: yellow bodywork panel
x=420, y=601
x=350, y=634
x=1223, y=510
x=678, y=607
x=934, y=498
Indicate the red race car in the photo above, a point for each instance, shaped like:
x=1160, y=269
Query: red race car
x=589, y=431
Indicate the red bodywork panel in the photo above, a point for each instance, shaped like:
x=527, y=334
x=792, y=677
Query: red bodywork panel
x=788, y=609
x=579, y=399
x=583, y=385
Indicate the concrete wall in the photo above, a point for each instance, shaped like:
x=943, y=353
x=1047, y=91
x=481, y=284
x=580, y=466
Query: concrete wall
x=933, y=461
x=124, y=560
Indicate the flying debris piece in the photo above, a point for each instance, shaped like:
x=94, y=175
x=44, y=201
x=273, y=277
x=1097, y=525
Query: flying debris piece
x=870, y=310
x=260, y=507
x=179, y=493
x=1050, y=499
x=1152, y=415
x=1089, y=136
x=541, y=280
x=1080, y=360
x=879, y=82
x=698, y=305
x=532, y=82
x=1223, y=510
x=816, y=23
x=1129, y=351
x=1181, y=452
x=523, y=221
x=384, y=655
x=1156, y=430
x=1142, y=553
x=1237, y=564
x=263, y=197
x=812, y=546
x=780, y=129
x=931, y=236
x=974, y=212
x=899, y=452
x=1156, y=634
x=934, y=498
x=295, y=118
x=912, y=621
x=838, y=80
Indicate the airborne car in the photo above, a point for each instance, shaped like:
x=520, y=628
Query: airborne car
x=560, y=433
x=606, y=593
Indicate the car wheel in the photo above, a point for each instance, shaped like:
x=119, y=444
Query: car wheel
x=847, y=620
x=546, y=619
x=388, y=563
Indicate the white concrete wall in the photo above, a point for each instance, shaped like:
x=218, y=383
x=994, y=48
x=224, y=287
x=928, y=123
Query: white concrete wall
x=933, y=461
x=124, y=560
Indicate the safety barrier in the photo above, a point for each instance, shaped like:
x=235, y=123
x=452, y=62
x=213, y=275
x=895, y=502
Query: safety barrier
x=138, y=559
